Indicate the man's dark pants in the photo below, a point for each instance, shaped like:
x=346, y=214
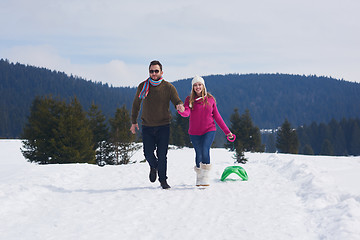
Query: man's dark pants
x=156, y=138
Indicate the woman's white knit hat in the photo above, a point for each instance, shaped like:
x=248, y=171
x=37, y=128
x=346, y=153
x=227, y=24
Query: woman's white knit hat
x=198, y=79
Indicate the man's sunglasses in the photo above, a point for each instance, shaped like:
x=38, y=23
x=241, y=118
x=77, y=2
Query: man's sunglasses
x=154, y=71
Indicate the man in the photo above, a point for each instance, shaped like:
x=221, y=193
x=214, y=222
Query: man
x=156, y=94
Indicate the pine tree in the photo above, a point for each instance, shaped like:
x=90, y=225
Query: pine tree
x=239, y=155
x=235, y=127
x=40, y=133
x=97, y=123
x=338, y=138
x=312, y=133
x=355, y=139
x=327, y=148
x=304, y=140
x=248, y=134
x=271, y=144
x=308, y=150
x=324, y=133
x=248, y=137
x=236, y=146
x=287, y=140
x=121, y=138
x=179, y=131
x=76, y=143
x=57, y=133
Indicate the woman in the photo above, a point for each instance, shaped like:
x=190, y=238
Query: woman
x=201, y=107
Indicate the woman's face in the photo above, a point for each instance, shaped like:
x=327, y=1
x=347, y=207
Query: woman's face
x=198, y=88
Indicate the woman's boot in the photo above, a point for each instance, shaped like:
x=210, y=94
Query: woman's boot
x=205, y=171
x=198, y=175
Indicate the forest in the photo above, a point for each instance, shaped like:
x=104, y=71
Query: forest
x=21, y=84
x=58, y=132
x=333, y=138
x=270, y=98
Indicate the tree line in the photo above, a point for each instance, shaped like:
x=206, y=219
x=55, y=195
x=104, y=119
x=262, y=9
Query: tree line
x=335, y=138
x=58, y=132
x=61, y=132
x=269, y=97
x=340, y=138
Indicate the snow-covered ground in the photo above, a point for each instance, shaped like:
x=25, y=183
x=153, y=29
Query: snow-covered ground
x=286, y=197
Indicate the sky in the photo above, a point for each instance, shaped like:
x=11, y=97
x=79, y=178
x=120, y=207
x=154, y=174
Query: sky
x=114, y=41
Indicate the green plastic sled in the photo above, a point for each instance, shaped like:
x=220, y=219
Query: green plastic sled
x=234, y=169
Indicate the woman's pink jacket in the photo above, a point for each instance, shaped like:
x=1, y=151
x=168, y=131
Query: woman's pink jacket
x=202, y=117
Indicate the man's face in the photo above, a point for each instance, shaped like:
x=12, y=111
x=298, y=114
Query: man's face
x=155, y=72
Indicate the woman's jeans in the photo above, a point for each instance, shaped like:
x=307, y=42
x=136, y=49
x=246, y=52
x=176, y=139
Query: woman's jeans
x=156, y=138
x=202, y=144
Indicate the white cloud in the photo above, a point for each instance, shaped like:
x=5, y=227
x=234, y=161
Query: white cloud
x=41, y=55
x=115, y=72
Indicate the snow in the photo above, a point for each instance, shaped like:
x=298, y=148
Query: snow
x=286, y=197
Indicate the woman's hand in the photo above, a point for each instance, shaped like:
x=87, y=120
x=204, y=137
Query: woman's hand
x=180, y=108
x=230, y=135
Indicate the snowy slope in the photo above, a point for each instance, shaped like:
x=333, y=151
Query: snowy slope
x=286, y=197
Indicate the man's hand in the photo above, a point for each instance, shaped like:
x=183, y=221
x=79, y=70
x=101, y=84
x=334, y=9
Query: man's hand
x=134, y=127
x=180, y=107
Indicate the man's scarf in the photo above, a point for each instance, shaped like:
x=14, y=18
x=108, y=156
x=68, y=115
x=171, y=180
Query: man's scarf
x=145, y=91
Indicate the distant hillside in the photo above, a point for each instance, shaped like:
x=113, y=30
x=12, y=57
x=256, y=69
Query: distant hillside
x=273, y=97
x=19, y=84
x=270, y=97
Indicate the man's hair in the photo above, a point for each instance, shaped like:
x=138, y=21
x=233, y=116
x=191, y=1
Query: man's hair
x=155, y=62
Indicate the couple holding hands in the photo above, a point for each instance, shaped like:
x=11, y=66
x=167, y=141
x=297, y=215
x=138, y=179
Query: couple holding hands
x=155, y=95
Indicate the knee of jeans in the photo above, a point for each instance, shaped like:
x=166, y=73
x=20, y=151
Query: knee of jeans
x=149, y=155
x=206, y=156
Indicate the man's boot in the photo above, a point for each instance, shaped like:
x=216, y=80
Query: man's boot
x=152, y=174
x=164, y=184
